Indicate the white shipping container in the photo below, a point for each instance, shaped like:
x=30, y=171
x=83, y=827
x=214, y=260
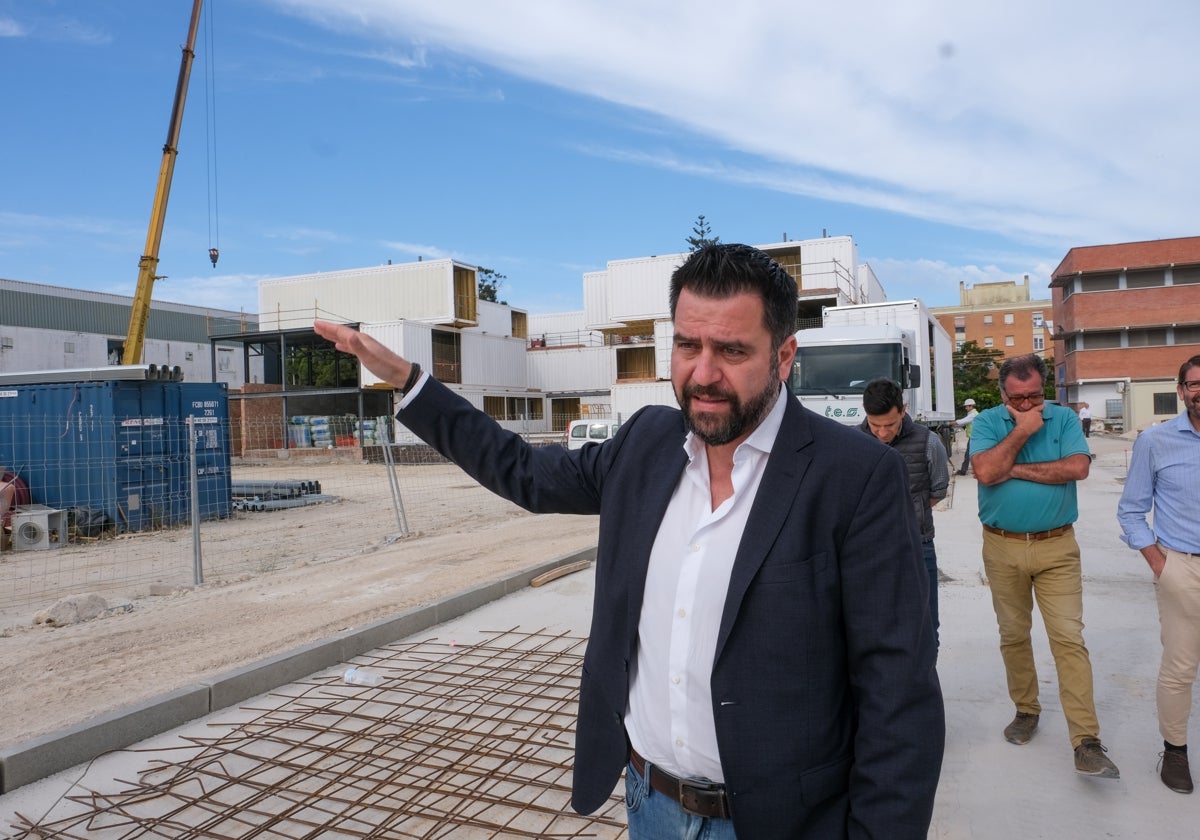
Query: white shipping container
x=628, y=398
x=420, y=291
x=493, y=361
x=638, y=289
x=571, y=369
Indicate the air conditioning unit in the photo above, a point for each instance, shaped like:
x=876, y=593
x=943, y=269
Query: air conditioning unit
x=37, y=527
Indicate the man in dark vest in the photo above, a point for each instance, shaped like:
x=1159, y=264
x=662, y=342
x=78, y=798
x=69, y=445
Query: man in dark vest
x=928, y=465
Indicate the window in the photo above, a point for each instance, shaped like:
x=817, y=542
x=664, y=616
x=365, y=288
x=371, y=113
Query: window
x=960, y=322
x=1100, y=283
x=1039, y=343
x=225, y=358
x=1166, y=402
x=68, y=346
x=1186, y=276
x=1114, y=408
x=187, y=357
x=1039, y=320
x=1187, y=335
x=512, y=408
x=6, y=342
x=987, y=320
x=447, y=356
x=1101, y=340
x=1148, y=338
x=987, y=342
x=1145, y=279
x=1008, y=317
x=1010, y=341
x=1072, y=344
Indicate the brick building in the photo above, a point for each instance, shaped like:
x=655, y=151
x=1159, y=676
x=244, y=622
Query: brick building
x=1126, y=316
x=999, y=316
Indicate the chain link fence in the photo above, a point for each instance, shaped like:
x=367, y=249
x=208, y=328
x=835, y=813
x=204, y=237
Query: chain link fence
x=128, y=511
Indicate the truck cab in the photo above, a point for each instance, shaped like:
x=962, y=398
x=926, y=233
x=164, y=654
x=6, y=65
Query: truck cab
x=834, y=364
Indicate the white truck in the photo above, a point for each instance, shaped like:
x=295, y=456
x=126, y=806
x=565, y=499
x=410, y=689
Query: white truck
x=855, y=344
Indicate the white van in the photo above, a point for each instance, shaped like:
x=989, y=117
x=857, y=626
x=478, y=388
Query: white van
x=581, y=432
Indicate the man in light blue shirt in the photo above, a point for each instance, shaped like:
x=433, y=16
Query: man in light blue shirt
x=1027, y=456
x=1163, y=477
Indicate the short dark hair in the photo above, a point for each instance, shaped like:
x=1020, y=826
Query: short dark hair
x=882, y=395
x=724, y=270
x=1023, y=367
x=1186, y=366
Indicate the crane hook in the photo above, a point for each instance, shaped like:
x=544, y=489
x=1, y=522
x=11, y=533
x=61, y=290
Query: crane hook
x=214, y=254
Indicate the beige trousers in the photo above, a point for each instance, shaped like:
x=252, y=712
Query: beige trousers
x=1178, y=590
x=1050, y=570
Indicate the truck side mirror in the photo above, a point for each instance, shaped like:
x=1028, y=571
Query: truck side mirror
x=914, y=376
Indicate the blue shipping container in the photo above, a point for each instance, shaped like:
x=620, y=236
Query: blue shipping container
x=120, y=447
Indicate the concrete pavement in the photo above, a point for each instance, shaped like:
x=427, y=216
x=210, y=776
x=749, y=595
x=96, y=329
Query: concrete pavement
x=989, y=789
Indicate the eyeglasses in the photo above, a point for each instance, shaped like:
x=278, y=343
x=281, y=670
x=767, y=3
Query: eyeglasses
x=1032, y=399
x=1190, y=386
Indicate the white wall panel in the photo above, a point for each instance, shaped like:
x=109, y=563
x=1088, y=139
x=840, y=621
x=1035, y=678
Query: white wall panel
x=571, y=369
x=638, y=289
x=628, y=398
x=493, y=361
x=417, y=291
x=595, y=299
x=494, y=318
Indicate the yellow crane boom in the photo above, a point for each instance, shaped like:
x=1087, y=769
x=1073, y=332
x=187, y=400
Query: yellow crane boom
x=148, y=265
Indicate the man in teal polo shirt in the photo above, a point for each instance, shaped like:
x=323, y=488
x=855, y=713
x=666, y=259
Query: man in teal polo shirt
x=1027, y=457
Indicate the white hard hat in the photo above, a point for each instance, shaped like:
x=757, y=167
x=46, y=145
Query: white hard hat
x=968, y=401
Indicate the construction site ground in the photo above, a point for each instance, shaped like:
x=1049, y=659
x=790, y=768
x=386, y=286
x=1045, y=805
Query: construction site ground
x=469, y=735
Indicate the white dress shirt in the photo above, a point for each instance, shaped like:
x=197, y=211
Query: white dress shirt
x=670, y=717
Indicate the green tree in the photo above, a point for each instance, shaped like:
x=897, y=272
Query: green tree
x=489, y=284
x=975, y=370
x=701, y=235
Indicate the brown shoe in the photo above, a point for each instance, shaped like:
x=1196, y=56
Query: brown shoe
x=1090, y=760
x=1175, y=772
x=1021, y=730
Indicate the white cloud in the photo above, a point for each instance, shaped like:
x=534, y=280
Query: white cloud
x=1063, y=120
x=9, y=28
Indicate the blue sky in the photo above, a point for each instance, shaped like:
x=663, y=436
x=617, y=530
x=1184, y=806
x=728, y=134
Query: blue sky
x=954, y=141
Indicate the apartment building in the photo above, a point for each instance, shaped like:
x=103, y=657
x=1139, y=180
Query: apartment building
x=1126, y=316
x=614, y=356
x=999, y=316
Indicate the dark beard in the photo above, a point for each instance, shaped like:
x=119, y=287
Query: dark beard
x=718, y=431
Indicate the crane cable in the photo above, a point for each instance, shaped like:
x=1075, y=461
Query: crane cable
x=210, y=124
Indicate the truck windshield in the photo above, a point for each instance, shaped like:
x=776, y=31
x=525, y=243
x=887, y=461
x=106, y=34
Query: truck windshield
x=843, y=368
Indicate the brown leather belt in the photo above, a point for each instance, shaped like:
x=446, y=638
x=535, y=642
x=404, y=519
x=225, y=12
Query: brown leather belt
x=702, y=798
x=1037, y=535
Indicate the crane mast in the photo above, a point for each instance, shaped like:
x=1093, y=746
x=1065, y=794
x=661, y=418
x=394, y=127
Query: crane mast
x=148, y=265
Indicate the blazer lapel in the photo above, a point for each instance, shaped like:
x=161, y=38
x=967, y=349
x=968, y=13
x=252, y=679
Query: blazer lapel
x=781, y=479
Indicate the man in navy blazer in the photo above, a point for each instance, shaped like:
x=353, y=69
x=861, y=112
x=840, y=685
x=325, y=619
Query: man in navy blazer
x=760, y=661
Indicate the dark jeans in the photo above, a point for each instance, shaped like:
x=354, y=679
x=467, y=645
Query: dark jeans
x=966, y=459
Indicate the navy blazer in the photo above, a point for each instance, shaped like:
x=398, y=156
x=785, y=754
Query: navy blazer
x=828, y=711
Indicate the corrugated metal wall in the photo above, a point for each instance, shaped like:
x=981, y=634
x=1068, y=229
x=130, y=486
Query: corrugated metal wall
x=77, y=310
